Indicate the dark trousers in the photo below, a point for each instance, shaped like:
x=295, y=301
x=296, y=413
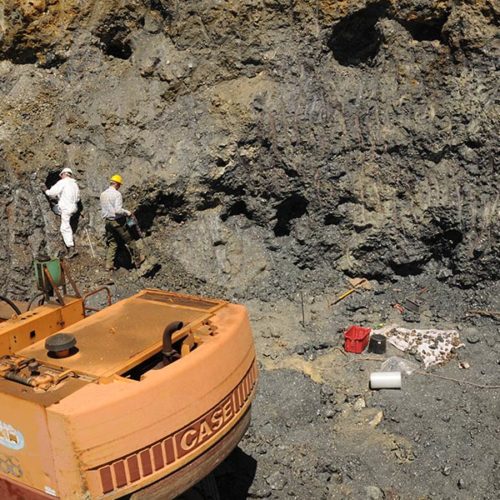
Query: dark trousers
x=118, y=234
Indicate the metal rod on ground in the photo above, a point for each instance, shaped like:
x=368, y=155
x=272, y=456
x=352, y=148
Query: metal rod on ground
x=480, y=386
x=90, y=243
x=302, y=303
x=479, y=312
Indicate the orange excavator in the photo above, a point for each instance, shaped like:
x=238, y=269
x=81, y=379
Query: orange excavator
x=144, y=397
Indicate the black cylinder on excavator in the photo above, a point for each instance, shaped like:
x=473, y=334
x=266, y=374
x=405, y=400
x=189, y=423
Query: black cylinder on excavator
x=168, y=352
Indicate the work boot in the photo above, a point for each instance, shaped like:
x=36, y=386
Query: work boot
x=72, y=252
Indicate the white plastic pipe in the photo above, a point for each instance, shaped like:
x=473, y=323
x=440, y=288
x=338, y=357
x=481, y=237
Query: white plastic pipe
x=385, y=380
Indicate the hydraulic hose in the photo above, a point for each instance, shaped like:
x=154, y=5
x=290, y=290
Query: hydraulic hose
x=39, y=296
x=11, y=304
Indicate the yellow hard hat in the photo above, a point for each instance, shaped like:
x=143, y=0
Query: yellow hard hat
x=117, y=178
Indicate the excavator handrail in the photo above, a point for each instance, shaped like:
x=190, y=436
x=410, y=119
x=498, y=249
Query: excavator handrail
x=94, y=292
x=11, y=304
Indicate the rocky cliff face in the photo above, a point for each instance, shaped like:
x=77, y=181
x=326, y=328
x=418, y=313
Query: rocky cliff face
x=263, y=143
x=271, y=147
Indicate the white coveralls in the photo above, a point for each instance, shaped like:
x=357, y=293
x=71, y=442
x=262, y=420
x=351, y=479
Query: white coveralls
x=67, y=193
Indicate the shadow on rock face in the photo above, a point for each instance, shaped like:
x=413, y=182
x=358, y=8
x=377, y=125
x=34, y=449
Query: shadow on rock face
x=52, y=178
x=293, y=207
x=160, y=204
x=420, y=31
x=355, y=39
x=115, y=43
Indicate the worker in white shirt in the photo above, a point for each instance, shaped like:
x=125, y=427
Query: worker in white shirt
x=67, y=194
x=116, y=218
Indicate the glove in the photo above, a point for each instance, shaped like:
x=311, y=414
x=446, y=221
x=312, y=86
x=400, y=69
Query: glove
x=128, y=213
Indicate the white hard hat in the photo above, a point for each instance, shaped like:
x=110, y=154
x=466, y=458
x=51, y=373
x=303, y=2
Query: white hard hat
x=66, y=170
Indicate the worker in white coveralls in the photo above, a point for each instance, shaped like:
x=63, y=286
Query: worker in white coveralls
x=67, y=194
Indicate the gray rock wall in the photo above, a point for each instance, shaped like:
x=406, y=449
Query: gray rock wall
x=262, y=143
